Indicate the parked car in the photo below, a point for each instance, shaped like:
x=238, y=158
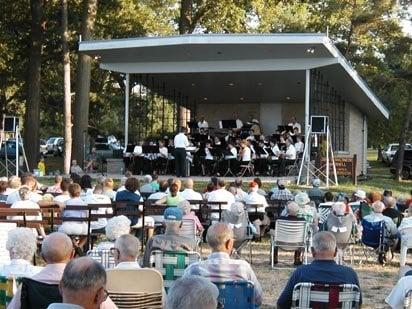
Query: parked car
x=389, y=151
x=55, y=145
x=43, y=146
x=9, y=148
x=407, y=164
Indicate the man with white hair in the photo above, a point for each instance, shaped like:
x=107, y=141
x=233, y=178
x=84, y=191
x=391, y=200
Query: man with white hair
x=322, y=270
x=126, y=251
x=377, y=216
x=390, y=209
x=219, y=267
x=22, y=245
x=188, y=193
x=171, y=239
x=192, y=292
x=147, y=187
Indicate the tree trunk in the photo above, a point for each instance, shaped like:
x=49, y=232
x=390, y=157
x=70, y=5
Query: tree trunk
x=67, y=90
x=402, y=139
x=81, y=108
x=186, y=14
x=32, y=121
x=379, y=153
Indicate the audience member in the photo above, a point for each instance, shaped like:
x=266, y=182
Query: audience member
x=391, y=211
x=256, y=215
x=307, y=209
x=239, y=193
x=64, y=187
x=13, y=184
x=75, y=168
x=407, y=221
x=190, y=215
x=56, y=187
x=220, y=195
x=29, y=182
x=322, y=270
x=171, y=239
x=115, y=227
x=237, y=218
x=396, y=297
x=97, y=197
x=192, y=292
x=258, y=181
x=22, y=245
x=161, y=193
x=281, y=193
x=108, y=186
x=147, y=186
x=86, y=185
x=126, y=251
x=292, y=210
x=219, y=267
x=83, y=285
x=315, y=193
x=3, y=190
x=174, y=197
x=188, y=193
x=155, y=183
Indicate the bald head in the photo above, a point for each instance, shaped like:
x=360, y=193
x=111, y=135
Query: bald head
x=218, y=236
x=189, y=183
x=57, y=248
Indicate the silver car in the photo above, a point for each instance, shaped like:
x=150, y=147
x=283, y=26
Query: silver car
x=54, y=145
x=389, y=151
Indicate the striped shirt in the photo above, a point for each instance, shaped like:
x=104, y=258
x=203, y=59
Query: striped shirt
x=219, y=267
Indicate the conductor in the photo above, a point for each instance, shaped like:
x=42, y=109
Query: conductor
x=181, y=143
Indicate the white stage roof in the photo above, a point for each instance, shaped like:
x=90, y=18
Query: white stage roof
x=237, y=67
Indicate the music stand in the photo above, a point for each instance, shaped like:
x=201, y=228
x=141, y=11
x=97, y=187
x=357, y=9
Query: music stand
x=228, y=124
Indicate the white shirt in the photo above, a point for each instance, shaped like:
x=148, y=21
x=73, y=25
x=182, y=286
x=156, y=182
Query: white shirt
x=208, y=154
x=26, y=204
x=181, y=141
x=221, y=195
x=127, y=265
x=299, y=147
x=163, y=152
x=233, y=152
x=61, y=198
x=138, y=151
x=291, y=153
x=15, y=197
x=99, y=199
x=190, y=194
x=239, y=124
x=240, y=195
x=157, y=195
x=203, y=124
x=246, y=156
x=254, y=198
x=19, y=268
x=397, y=295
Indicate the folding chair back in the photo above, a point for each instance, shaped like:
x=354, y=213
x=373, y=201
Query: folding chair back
x=407, y=301
x=137, y=288
x=104, y=257
x=35, y=294
x=323, y=213
x=314, y=295
x=364, y=210
x=172, y=264
x=188, y=229
x=373, y=233
x=8, y=286
x=406, y=243
x=236, y=294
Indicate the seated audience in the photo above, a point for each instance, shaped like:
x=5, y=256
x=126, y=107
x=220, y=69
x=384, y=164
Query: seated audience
x=97, y=197
x=238, y=192
x=237, y=218
x=170, y=240
x=281, y=193
x=75, y=168
x=407, y=221
x=56, y=187
x=220, y=195
x=258, y=181
x=13, y=184
x=307, y=210
x=108, y=190
x=74, y=227
x=340, y=225
x=29, y=182
x=190, y=215
x=86, y=185
x=83, y=285
x=219, y=267
x=64, y=187
x=147, y=186
x=210, y=187
x=396, y=297
x=391, y=211
x=192, y=292
x=173, y=198
x=126, y=251
x=315, y=194
x=256, y=215
x=22, y=245
x=3, y=191
x=163, y=186
x=188, y=193
x=155, y=183
x=322, y=270
x=115, y=227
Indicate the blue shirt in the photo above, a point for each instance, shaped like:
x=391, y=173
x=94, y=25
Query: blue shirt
x=319, y=271
x=129, y=196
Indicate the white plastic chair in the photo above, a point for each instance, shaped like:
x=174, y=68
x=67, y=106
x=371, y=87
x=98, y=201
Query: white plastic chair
x=289, y=236
x=406, y=243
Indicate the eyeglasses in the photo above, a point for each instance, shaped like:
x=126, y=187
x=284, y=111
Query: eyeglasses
x=114, y=251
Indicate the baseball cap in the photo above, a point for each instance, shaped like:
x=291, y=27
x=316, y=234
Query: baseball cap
x=173, y=213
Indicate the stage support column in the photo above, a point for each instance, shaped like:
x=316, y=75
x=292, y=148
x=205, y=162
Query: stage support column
x=126, y=111
x=307, y=124
x=364, y=145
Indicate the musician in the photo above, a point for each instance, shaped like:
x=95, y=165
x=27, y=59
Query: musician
x=202, y=124
x=261, y=160
x=208, y=162
x=245, y=154
x=299, y=146
x=239, y=123
x=162, y=157
x=294, y=124
x=138, y=159
x=288, y=157
x=181, y=143
x=255, y=128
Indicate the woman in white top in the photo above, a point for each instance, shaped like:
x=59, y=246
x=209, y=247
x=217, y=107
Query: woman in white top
x=25, y=202
x=21, y=244
x=75, y=228
x=244, y=153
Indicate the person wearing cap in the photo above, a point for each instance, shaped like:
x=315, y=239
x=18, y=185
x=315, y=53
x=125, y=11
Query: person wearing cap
x=292, y=210
x=307, y=210
x=281, y=193
x=315, y=193
x=255, y=128
x=170, y=240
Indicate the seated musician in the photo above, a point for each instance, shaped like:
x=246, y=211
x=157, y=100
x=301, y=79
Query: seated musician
x=208, y=162
x=299, y=146
x=288, y=157
x=255, y=128
x=261, y=158
x=245, y=154
x=202, y=124
x=138, y=157
x=294, y=124
x=162, y=158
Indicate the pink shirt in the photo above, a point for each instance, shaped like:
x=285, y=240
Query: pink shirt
x=191, y=215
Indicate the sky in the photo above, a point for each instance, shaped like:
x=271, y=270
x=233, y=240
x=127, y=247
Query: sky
x=407, y=23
